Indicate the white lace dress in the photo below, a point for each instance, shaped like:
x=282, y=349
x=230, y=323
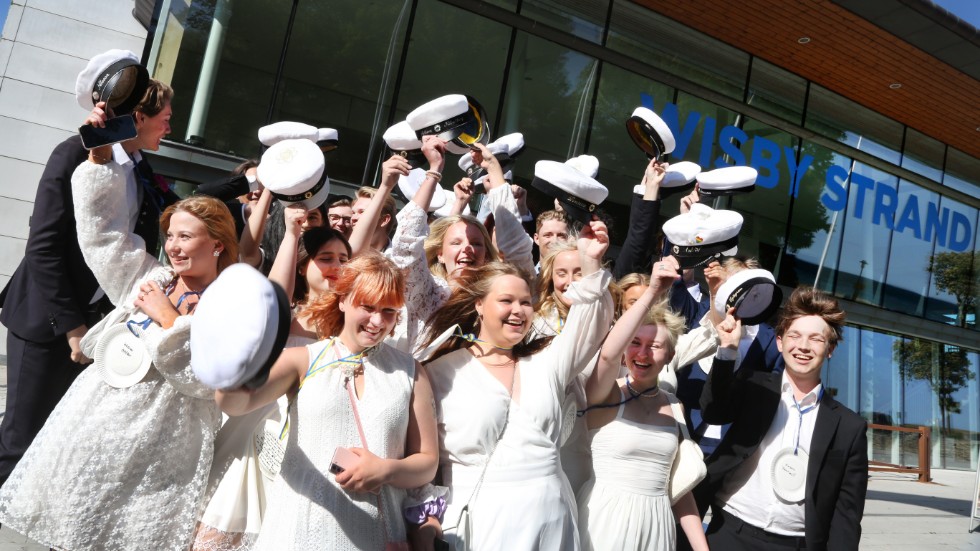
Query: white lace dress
x=425, y=293
x=311, y=511
x=118, y=468
x=247, y=459
x=525, y=501
x=626, y=505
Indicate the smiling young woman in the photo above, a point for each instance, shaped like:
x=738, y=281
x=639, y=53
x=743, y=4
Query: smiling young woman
x=318, y=511
x=500, y=400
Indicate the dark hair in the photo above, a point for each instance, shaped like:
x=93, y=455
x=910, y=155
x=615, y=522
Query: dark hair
x=313, y=239
x=807, y=301
x=155, y=99
x=337, y=201
x=471, y=285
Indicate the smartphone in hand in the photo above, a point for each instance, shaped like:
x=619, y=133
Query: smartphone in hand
x=342, y=460
x=117, y=129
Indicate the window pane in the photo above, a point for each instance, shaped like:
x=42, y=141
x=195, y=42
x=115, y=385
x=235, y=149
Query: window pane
x=434, y=69
x=840, y=372
x=962, y=172
x=815, y=235
x=766, y=209
x=621, y=162
x=907, y=281
x=881, y=393
x=959, y=440
x=345, y=81
x=918, y=362
x=666, y=44
x=864, y=250
x=847, y=122
x=953, y=226
x=582, y=18
x=923, y=155
x=223, y=114
x=776, y=91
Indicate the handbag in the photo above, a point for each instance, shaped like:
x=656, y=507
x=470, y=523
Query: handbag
x=688, y=468
x=389, y=545
x=464, y=528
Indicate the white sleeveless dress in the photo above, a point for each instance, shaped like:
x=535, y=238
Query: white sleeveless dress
x=626, y=505
x=311, y=511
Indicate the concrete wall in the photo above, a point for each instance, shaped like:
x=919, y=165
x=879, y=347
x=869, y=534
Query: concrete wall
x=45, y=43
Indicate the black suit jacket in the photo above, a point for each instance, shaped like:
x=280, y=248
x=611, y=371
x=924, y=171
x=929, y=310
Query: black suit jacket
x=837, y=472
x=50, y=291
x=636, y=254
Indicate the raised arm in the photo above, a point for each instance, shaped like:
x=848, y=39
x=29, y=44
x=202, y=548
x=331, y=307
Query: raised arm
x=637, y=252
x=283, y=269
x=284, y=377
x=607, y=370
x=719, y=398
x=360, y=237
x=248, y=244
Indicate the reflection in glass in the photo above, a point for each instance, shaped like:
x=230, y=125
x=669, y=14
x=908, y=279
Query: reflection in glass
x=907, y=280
x=766, y=209
x=840, y=372
x=776, y=91
x=923, y=155
x=643, y=34
x=962, y=172
x=845, y=121
x=881, y=394
x=815, y=234
x=240, y=51
x=952, y=293
x=864, y=248
x=437, y=65
x=960, y=438
x=583, y=18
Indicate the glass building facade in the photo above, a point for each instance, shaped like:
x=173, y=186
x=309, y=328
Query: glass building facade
x=874, y=212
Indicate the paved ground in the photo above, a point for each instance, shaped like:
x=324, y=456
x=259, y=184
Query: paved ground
x=901, y=514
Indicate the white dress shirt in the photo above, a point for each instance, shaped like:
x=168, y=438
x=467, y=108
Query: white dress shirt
x=748, y=493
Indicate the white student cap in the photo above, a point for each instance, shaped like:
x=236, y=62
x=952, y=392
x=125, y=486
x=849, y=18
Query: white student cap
x=577, y=192
x=650, y=133
x=702, y=234
x=115, y=77
x=293, y=170
x=325, y=138
x=727, y=181
x=239, y=328
x=752, y=293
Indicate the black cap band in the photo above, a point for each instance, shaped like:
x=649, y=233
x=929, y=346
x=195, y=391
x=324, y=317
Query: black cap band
x=282, y=333
x=301, y=196
x=415, y=157
x=105, y=85
x=704, y=250
x=444, y=126
x=575, y=206
x=723, y=192
x=639, y=128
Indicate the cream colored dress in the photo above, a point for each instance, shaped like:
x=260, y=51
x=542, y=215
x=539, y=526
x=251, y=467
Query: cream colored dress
x=118, y=468
x=525, y=501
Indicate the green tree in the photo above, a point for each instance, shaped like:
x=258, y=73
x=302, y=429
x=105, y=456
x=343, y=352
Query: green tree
x=954, y=273
x=946, y=368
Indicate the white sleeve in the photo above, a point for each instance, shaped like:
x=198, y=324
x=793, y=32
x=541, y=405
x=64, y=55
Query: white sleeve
x=513, y=242
x=116, y=255
x=588, y=322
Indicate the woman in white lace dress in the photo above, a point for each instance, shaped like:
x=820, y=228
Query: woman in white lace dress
x=359, y=507
x=125, y=468
x=499, y=402
x=249, y=448
x=633, y=425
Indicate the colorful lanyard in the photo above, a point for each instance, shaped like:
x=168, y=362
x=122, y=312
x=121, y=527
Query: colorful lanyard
x=470, y=337
x=803, y=411
x=351, y=362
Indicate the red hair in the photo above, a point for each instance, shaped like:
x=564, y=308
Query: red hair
x=369, y=278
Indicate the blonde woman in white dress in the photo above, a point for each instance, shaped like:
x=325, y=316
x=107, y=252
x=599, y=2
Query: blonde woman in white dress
x=499, y=402
x=360, y=507
x=125, y=468
x=633, y=425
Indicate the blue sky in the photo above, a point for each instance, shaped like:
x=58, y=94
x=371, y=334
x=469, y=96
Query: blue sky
x=967, y=10
x=4, y=6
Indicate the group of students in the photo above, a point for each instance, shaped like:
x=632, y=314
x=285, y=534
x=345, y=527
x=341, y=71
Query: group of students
x=437, y=387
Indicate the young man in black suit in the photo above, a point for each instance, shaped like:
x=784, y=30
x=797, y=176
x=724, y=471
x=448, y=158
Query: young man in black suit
x=792, y=471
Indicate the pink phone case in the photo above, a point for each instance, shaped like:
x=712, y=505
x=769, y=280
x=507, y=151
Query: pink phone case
x=343, y=458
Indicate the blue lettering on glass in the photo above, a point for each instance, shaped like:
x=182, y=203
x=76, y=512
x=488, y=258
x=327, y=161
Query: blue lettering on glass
x=731, y=139
x=950, y=229
x=765, y=159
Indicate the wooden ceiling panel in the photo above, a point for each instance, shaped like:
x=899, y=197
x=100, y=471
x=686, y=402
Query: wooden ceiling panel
x=848, y=55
